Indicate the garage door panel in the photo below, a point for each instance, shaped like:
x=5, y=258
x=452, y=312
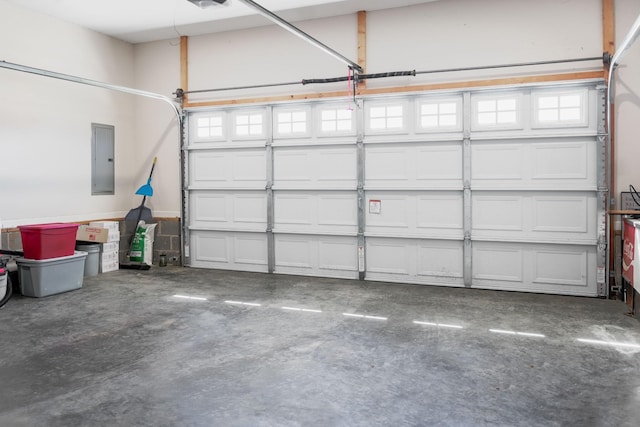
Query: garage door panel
x=229, y=250
x=564, y=161
x=386, y=164
x=210, y=168
x=294, y=251
x=563, y=214
x=421, y=261
x=228, y=169
x=337, y=254
x=388, y=256
x=491, y=188
x=498, y=262
x=440, y=260
x=315, y=167
x=545, y=268
x=312, y=255
x=436, y=214
x=535, y=216
x=534, y=165
x=496, y=163
x=418, y=165
x=497, y=212
x=249, y=249
x=561, y=267
x=212, y=247
x=249, y=167
x=210, y=208
x=315, y=212
x=228, y=210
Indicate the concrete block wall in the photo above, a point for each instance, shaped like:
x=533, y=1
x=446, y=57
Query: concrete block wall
x=166, y=241
x=11, y=240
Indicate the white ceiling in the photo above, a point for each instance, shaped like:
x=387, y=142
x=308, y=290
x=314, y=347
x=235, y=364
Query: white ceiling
x=138, y=21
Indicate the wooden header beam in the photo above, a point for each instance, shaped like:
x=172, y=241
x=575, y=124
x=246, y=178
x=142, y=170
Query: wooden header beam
x=362, y=44
x=184, y=66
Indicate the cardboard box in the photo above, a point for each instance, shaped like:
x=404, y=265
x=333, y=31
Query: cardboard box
x=87, y=233
x=111, y=225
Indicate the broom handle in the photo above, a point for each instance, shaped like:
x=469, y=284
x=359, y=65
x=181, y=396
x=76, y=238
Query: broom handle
x=144, y=199
x=155, y=160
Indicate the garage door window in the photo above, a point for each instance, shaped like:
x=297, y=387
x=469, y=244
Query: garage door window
x=500, y=112
x=438, y=115
x=249, y=125
x=291, y=123
x=210, y=127
x=336, y=121
x=560, y=109
x=388, y=117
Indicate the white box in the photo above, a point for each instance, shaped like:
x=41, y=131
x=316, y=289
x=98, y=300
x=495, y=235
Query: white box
x=110, y=247
x=114, y=236
x=109, y=261
x=111, y=225
x=109, y=256
x=108, y=266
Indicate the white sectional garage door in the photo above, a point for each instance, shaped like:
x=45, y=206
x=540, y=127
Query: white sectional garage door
x=494, y=189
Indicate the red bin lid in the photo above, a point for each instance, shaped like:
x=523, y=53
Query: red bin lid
x=52, y=225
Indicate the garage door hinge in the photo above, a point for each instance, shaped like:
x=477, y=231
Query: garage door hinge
x=602, y=243
x=467, y=235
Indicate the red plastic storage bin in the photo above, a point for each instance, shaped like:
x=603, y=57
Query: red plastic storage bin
x=44, y=241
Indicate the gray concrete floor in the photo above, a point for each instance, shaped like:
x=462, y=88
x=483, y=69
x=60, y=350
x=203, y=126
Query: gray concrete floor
x=270, y=350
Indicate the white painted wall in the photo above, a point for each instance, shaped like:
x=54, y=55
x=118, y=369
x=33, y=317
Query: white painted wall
x=157, y=69
x=430, y=36
x=270, y=54
x=627, y=99
x=45, y=124
x=467, y=33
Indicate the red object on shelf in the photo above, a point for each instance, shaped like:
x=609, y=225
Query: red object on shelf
x=44, y=241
